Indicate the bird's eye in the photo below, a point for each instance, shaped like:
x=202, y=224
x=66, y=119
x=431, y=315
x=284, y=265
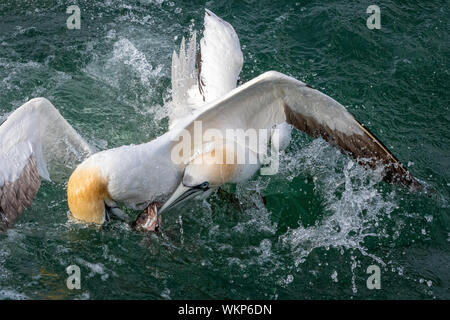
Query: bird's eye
x=204, y=185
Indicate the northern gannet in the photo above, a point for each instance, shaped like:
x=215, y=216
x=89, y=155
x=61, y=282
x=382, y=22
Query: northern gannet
x=36, y=140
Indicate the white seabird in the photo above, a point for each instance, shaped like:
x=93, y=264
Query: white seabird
x=36, y=141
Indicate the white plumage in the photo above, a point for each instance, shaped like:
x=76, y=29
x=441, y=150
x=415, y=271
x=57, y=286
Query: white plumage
x=220, y=62
x=221, y=58
x=39, y=127
x=138, y=174
x=36, y=137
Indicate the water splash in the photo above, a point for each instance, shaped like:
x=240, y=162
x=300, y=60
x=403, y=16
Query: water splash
x=353, y=202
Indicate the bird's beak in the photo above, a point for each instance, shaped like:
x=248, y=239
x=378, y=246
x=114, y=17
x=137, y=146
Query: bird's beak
x=181, y=194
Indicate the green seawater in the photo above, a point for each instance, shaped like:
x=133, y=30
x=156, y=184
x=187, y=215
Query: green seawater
x=325, y=220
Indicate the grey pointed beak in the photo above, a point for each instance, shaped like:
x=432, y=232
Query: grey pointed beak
x=181, y=194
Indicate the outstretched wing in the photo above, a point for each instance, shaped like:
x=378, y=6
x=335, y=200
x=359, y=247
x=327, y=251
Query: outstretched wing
x=208, y=75
x=221, y=58
x=35, y=141
x=273, y=98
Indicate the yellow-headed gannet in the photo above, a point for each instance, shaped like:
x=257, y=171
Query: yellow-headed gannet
x=35, y=138
x=36, y=141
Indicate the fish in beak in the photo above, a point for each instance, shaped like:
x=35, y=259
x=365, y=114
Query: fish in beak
x=149, y=219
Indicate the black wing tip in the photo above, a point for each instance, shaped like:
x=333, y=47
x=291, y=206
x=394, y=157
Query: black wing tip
x=367, y=149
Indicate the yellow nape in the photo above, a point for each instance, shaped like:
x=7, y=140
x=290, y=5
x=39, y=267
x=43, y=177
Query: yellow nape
x=86, y=194
x=217, y=166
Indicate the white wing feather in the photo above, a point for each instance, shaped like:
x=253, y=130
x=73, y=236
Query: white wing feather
x=55, y=144
x=184, y=77
x=184, y=73
x=220, y=63
x=35, y=140
x=221, y=58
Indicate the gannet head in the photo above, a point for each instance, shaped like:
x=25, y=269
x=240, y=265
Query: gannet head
x=207, y=171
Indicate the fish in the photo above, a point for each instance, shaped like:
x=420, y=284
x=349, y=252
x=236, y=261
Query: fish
x=148, y=220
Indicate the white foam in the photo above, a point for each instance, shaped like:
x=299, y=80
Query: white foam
x=133, y=74
x=352, y=201
x=96, y=268
x=125, y=52
x=259, y=217
x=14, y=81
x=6, y=294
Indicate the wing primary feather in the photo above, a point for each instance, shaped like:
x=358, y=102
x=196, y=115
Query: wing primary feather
x=367, y=149
x=198, y=78
x=17, y=195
